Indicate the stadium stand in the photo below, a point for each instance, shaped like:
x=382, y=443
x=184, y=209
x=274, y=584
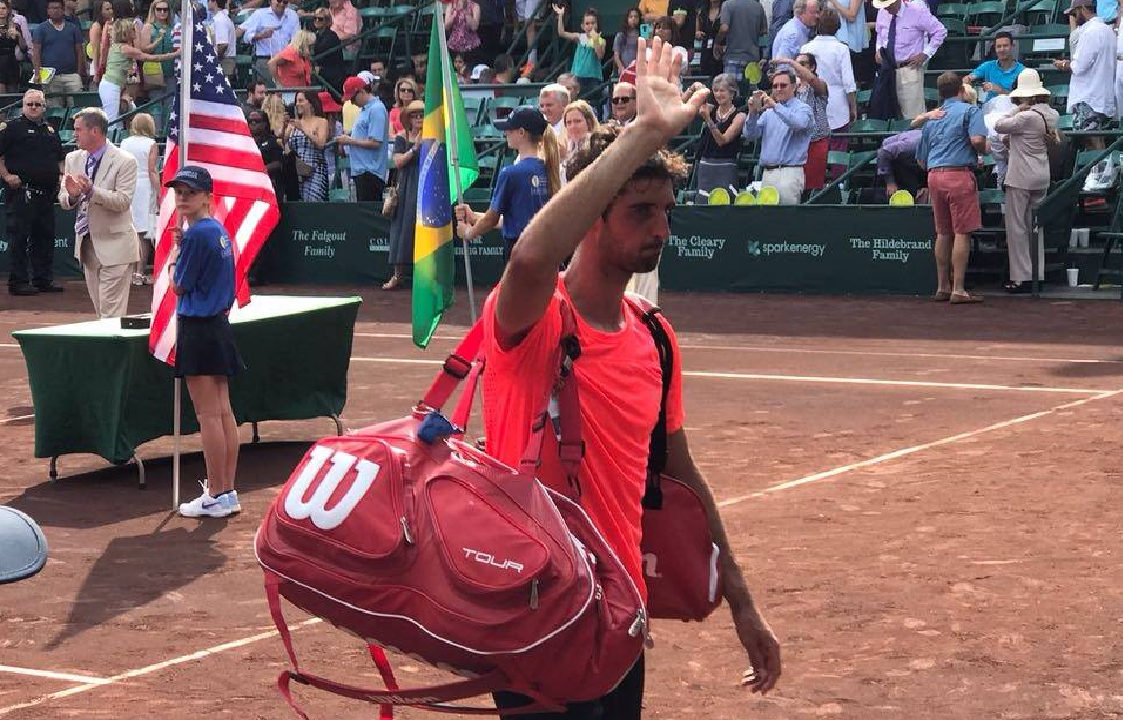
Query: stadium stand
x=395, y=33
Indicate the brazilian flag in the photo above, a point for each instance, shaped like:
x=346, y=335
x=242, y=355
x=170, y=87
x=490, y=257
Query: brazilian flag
x=434, y=267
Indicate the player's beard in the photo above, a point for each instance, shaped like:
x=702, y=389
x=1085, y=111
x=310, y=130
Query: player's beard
x=648, y=258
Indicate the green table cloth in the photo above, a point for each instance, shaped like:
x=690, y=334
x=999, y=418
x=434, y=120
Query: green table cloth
x=97, y=390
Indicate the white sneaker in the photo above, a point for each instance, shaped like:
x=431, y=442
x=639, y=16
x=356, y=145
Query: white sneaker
x=207, y=506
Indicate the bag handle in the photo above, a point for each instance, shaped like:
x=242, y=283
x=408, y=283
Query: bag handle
x=435, y=697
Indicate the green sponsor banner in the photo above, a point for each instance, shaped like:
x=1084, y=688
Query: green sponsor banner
x=349, y=244
x=65, y=264
x=805, y=248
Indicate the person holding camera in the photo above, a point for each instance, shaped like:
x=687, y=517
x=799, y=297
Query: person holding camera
x=721, y=140
x=784, y=125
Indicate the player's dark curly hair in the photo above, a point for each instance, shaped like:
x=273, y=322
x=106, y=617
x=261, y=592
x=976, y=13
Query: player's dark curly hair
x=663, y=165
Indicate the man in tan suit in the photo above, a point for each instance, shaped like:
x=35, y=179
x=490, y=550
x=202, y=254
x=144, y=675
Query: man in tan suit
x=99, y=182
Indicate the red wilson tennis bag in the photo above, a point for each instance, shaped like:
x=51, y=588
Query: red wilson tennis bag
x=680, y=559
x=417, y=542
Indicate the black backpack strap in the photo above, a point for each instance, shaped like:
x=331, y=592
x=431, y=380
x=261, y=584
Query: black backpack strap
x=657, y=449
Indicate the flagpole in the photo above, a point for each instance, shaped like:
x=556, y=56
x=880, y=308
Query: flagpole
x=186, y=40
x=453, y=148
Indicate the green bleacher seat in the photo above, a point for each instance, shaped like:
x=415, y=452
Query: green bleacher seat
x=1040, y=12
x=1059, y=95
x=485, y=131
x=951, y=10
x=985, y=14
x=1039, y=41
x=867, y=125
x=506, y=103
x=956, y=26
x=472, y=107
x=1065, y=122
x=370, y=14
x=931, y=97
x=1085, y=157
x=900, y=125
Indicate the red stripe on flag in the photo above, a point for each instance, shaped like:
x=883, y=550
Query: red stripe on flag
x=226, y=125
x=199, y=153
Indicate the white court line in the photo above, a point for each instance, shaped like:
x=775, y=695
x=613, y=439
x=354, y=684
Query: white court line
x=809, y=379
x=899, y=383
x=14, y=419
x=914, y=449
x=88, y=679
x=8, y=345
x=882, y=353
x=148, y=669
x=819, y=351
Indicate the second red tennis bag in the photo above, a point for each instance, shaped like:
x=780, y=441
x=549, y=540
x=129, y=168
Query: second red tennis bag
x=417, y=542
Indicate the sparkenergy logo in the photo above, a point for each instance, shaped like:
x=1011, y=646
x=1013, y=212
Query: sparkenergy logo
x=756, y=248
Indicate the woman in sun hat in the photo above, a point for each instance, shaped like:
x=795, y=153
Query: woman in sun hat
x=1030, y=128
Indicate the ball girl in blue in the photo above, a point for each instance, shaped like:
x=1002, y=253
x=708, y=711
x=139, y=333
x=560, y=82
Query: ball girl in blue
x=523, y=188
x=205, y=354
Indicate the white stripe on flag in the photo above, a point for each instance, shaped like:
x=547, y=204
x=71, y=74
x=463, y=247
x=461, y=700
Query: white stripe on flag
x=222, y=141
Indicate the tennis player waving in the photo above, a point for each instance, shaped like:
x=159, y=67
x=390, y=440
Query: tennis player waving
x=612, y=217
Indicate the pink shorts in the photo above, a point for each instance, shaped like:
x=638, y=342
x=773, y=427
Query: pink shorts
x=955, y=201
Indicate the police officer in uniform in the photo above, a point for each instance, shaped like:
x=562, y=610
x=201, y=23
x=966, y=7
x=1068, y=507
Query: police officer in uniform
x=31, y=157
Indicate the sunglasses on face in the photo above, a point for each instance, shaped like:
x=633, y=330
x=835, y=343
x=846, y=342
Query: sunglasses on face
x=33, y=104
x=780, y=86
x=622, y=100
x=320, y=18
x=159, y=9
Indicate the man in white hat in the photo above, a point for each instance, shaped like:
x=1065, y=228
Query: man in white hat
x=1028, y=128
x=1091, y=92
x=908, y=36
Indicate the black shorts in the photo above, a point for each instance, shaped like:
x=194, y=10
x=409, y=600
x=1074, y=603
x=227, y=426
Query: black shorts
x=205, y=346
x=624, y=702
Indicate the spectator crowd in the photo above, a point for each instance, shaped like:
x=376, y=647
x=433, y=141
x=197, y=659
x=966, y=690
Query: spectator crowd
x=785, y=80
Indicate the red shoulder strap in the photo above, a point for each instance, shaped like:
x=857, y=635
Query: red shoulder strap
x=434, y=698
x=466, y=363
x=457, y=366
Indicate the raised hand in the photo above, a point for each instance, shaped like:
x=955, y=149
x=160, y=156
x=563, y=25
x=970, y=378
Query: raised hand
x=660, y=106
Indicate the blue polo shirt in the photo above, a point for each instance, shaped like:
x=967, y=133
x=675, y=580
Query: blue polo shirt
x=373, y=123
x=520, y=192
x=991, y=72
x=947, y=142
x=204, y=271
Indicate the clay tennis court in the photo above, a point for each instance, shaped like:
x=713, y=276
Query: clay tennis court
x=925, y=499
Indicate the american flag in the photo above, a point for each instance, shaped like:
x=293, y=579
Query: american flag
x=244, y=202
